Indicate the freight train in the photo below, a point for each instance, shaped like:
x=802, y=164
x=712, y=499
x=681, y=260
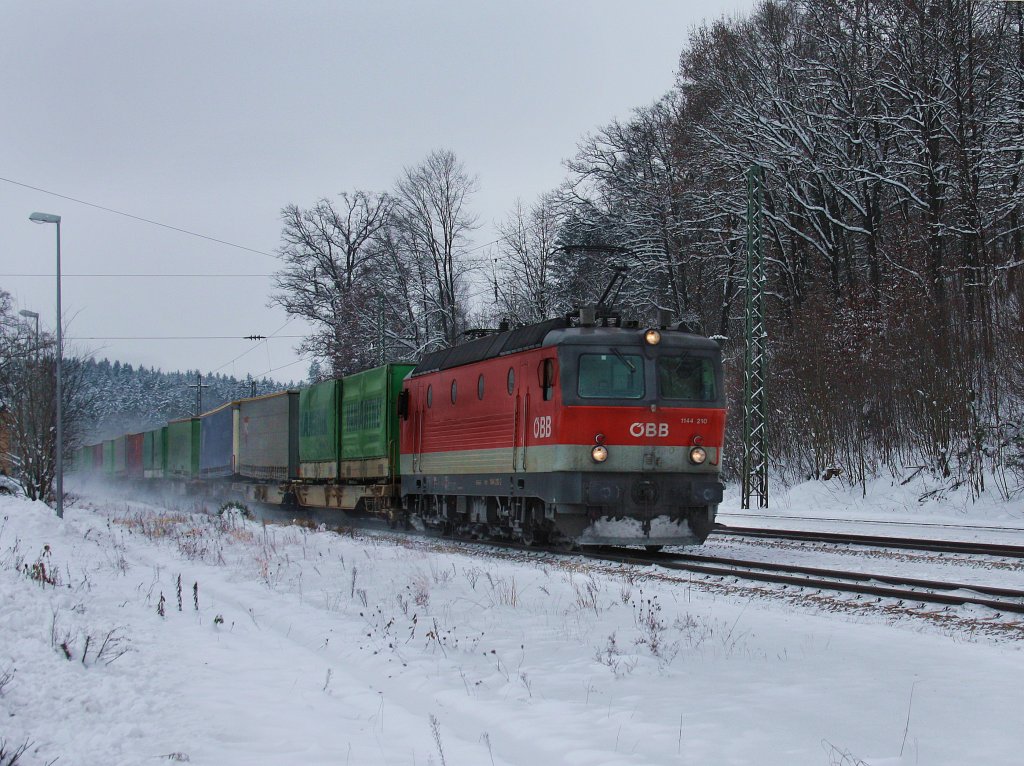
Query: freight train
x=582, y=430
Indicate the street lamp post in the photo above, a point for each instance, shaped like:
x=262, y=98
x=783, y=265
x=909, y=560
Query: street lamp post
x=50, y=218
x=33, y=315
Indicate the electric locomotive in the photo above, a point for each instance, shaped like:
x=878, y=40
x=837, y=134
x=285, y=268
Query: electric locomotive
x=580, y=430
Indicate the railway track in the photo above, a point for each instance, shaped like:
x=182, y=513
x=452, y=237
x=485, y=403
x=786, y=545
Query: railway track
x=874, y=522
x=904, y=543
x=880, y=585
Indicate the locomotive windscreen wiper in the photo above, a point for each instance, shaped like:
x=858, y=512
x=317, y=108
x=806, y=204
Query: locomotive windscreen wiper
x=623, y=359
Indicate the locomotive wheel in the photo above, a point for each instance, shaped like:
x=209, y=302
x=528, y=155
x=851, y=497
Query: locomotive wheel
x=533, y=535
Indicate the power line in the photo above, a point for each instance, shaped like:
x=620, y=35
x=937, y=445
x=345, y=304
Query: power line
x=256, y=346
x=174, y=337
x=139, y=218
x=158, y=276
x=290, y=364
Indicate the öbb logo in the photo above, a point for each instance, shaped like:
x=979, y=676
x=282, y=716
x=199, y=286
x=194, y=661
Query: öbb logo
x=542, y=427
x=648, y=429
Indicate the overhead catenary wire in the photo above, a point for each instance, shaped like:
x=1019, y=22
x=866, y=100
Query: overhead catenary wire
x=139, y=218
x=256, y=346
x=309, y=358
x=174, y=337
x=180, y=229
x=192, y=233
x=141, y=276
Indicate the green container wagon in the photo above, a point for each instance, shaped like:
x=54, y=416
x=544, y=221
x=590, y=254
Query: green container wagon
x=182, y=460
x=120, y=457
x=108, y=458
x=319, y=433
x=369, y=422
x=154, y=453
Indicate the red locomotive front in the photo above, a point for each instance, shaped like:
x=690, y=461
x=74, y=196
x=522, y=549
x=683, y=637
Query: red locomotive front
x=582, y=434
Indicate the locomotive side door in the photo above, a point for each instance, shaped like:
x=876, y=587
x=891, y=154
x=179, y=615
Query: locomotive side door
x=522, y=417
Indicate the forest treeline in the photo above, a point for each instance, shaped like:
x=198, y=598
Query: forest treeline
x=891, y=133
x=126, y=399
x=101, y=399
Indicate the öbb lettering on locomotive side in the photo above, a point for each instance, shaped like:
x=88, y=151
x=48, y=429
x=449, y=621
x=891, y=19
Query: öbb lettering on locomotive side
x=649, y=430
x=581, y=430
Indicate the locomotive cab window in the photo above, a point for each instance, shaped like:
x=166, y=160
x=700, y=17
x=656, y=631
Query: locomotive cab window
x=687, y=377
x=430, y=396
x=454, y=391
x=511, y=380
x=611, y=376
x=547, y=378
x=480, y=388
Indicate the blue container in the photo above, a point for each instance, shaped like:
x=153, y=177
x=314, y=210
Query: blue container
x=217, y=440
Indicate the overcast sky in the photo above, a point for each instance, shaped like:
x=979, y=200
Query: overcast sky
x=210, y=116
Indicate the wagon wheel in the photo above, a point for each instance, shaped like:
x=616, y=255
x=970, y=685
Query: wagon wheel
x=528, y=536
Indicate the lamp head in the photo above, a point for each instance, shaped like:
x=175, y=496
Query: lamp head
x=44, y=218
x=29, y=314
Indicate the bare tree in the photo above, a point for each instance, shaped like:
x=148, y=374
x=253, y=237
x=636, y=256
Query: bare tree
x=28, y=403
x=890, y=132
x=328, y=274
x=427, y=245
x=523, y=275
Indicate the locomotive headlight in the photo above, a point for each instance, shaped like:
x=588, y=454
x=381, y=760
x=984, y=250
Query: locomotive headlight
x=652, y=337
x=698, y=455
x=599, y=453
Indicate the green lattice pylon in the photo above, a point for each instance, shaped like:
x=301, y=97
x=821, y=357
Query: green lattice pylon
x=755, y=405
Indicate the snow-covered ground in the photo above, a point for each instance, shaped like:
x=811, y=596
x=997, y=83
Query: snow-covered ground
x=296, y=646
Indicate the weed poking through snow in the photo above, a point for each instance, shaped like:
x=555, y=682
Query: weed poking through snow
x=42, y=570
x=6, y=676
x=11, y=757
x=435, y=729
x=611, y=656
x=101, y=648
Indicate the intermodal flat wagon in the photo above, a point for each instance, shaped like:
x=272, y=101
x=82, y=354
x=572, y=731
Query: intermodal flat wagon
x=218, y=441
x=133, y=449
x=320, y=431
x=183, y=448
x=154, y=453
x=268, y=436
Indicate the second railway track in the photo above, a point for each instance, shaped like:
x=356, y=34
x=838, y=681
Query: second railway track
x=880, y=585
x=903, y=543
